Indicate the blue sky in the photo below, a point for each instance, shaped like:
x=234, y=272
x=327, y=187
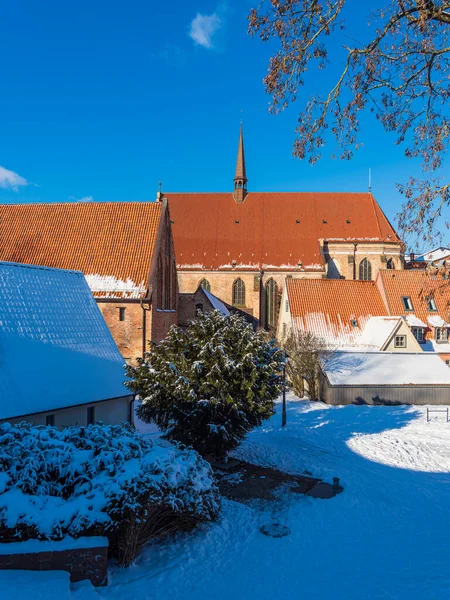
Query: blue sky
x=103, y=99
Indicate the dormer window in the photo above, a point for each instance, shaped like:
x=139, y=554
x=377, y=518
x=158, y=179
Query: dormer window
x=418, y=333
x=431, y=305
x=407, y=304
x=400, y=341
x=441, y=335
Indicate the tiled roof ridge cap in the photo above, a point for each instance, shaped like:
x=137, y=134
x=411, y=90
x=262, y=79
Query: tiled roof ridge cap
x=90, y=202
x=256, y=192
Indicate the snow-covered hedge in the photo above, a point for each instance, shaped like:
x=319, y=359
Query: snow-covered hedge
x=96, y=480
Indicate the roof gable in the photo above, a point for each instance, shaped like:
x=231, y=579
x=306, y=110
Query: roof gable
x=112, y=243
x=55, y=347
x=270, y=230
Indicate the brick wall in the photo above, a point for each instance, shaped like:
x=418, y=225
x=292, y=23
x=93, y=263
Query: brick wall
x=127, y=333
x=81, y=562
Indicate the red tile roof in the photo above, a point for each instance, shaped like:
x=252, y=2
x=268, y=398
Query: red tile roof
x=112, y=240
x=326, y=307
x=418, y=285
x=212, y=230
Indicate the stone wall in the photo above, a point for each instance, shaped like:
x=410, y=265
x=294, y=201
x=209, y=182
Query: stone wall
x=85, y=558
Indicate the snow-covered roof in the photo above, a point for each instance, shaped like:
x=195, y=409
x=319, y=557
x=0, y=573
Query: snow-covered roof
x=217, y=303
x=414, y=321
x=55, y=347
x=435, y=254
x=385, y=368
x=437, y=321
x=377, y=331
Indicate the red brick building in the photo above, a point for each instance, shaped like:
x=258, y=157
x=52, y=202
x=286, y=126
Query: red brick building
x=124, y=249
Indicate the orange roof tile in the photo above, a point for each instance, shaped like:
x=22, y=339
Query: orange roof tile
x=212, y=230
x=326, y=307
x=112, y=243
x=418, y=285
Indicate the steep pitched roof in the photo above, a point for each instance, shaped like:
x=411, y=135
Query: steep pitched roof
x=112, y=243
x=270, y=230
x=327, y=307
x=418, y=285
x=55, y=347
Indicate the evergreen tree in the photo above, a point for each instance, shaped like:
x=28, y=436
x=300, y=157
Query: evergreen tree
x=208, y=385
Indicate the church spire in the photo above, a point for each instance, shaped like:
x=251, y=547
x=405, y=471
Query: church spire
x=240, y=178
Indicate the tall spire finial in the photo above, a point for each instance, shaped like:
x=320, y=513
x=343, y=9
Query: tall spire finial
x=240, y=178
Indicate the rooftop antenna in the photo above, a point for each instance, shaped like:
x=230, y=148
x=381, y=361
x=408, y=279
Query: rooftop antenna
x=370, y=180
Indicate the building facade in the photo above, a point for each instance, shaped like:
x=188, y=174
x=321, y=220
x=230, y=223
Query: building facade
x=124, y=249
x=245, y=244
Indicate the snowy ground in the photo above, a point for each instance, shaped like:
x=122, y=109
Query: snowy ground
x=386, y=536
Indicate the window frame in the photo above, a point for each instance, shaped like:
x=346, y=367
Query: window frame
x=441, y=339
x=406, y=306
x=419, y=330
x=365, y=269
x=122, y=311
x=431, y=303
x=90, y=415
x=238, y=293
x=271, y=303
x=400, y=337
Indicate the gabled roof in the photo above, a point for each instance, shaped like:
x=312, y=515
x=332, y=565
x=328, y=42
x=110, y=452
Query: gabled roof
x=378, y=331
x=418, y=285
x=270, y=230
x=55, y=347
x=327, y=307
x=434, y=255
x=112, y=243
x=385, y=368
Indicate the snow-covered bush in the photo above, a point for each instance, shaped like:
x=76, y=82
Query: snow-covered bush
x=208, y=385
x=99, y=480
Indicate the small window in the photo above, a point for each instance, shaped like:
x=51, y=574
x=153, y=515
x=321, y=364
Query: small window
x=91, y=415
x=418, y=334
x=432, y=305
x=122, y=314
x=407, y=304
x=365, y=270
x=238, y=293
x=198, y=308
x=400, y=341
x=50, y=420
x=287, y=305
x=441, y=335
x=390, y=264
x=284, y=330
x=354, y=323
x=447, y=362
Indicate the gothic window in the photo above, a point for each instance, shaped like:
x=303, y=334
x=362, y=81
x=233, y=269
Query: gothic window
x=204, y=283
x=390, y=264
x=159, y=303
x=238, y=293
x=365, y=270
x=271, y=303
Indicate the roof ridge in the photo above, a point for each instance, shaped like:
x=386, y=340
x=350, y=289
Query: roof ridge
x=41, y=267
x=93, y=202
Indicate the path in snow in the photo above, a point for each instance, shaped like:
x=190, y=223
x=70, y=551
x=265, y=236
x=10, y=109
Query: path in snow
x=384, y=537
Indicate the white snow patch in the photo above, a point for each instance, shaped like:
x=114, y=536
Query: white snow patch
x=113, y=287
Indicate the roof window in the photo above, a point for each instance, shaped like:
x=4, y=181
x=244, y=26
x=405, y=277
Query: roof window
x=324, y=220
x=237, y=221
x=348, y=221
x=354, y=323
x=297, y=221
x=431, y=304
x=407, y=304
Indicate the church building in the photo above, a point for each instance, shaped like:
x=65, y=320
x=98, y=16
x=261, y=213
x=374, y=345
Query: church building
x=242, y=245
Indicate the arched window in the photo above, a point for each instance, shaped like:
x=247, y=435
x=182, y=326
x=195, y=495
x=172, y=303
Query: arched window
x=159, y=303
x=238, y=293
x=271, y=303
x=204, y=283
x=198, y=308
x=365, y=270
x=390, y=264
